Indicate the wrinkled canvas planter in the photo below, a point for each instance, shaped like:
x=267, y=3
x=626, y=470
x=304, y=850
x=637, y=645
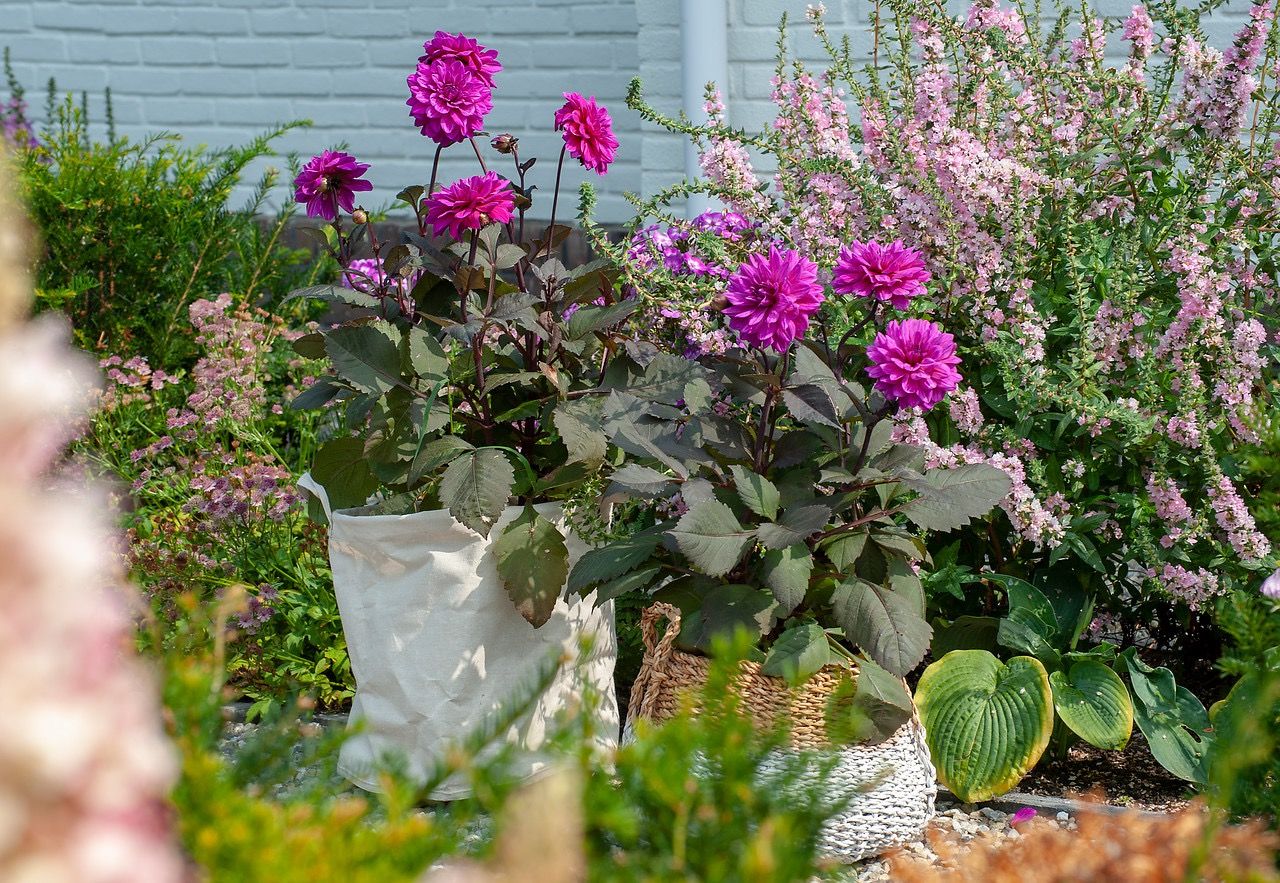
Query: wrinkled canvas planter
x=437, y=646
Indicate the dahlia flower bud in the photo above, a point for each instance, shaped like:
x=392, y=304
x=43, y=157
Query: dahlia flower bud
x=505, y=143
x=360, y=216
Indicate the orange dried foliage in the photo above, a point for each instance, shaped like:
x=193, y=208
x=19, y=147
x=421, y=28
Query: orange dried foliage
x=1131, y=847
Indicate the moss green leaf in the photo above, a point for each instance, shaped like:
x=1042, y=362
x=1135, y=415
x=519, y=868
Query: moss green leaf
x=532, y=563
x=1094, y=703
x=986, y=723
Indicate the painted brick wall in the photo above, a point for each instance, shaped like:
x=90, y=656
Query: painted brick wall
x=219, y=71
x=753, y=34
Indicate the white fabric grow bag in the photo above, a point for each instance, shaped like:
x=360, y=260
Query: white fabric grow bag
x=437, y=646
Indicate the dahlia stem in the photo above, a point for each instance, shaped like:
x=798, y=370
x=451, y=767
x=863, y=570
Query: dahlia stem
x=555, y=201
x=484, y=169
x=466, y=274
x=435, y=169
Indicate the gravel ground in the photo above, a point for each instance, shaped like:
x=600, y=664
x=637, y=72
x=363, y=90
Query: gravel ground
x=954, y=822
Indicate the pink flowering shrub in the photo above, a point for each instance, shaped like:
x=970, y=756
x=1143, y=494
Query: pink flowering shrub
x=1095, y=236
x=85, y=767
x=215, y=504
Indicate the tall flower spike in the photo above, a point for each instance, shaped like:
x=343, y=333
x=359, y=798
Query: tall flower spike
x=329, y=182
x=771, y=299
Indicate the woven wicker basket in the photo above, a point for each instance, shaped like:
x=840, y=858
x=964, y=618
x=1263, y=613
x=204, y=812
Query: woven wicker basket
x=892, y=812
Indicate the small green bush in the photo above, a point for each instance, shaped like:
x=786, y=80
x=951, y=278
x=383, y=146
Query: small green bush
x=132, y=233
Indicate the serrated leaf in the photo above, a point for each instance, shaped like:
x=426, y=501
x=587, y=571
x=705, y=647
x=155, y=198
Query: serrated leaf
x=365, y=357
x=335, y=294
x=844, y=550
x=951, y=498
x=711, y=538
x=426, y=356
x=316, y=396
x=341, y=469
x=758, y=492
x=810, y=403
x=435, y=454
x=578, y=423
x=476, y=488
x=627, y=584
x=882, y=701
x=612, y=560
x=642, y=480
x=725, y=609
x=589, y=319
x=532, y=562
x=664, y=379
x=882, y=623
x=797, y=524
x=786, y=573
x=797, y=654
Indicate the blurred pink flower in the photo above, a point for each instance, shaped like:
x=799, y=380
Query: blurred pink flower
x=329, y=182
x=588, y=132
x=470, y=204
x=1271, y=586
x=890, y=272
x=481, y=61
x=448, y=101
x=772, y=298
x=914, y=362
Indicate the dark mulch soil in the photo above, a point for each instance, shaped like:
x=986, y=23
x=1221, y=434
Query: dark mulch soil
x=1127, y=778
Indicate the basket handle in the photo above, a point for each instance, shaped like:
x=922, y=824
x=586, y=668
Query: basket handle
x=657, y=652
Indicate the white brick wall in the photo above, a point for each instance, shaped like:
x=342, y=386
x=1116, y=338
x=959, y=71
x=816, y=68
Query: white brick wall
x=218, y=71
x=753, y=34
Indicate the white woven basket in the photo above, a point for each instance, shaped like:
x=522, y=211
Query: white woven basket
x=893, y=783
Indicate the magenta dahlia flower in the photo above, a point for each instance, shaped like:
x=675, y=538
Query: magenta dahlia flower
x=328, y=182
x=914, y=363
x=892, y=272
x=588, y=132
x=470, y=204
x=771, y=299
x=448, y=101
x=481, y=61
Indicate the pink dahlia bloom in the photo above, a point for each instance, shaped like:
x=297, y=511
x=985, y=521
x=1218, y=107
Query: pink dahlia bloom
x=448, y=101
x=588, y=132
x=328, y=182
x=771, y=299
x=890, y=272
x=470, y=204
x=479, y=60
x=914, y=362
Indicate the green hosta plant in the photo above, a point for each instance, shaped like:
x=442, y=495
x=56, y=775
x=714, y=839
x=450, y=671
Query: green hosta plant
x=989, y=723
x=459, y=380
